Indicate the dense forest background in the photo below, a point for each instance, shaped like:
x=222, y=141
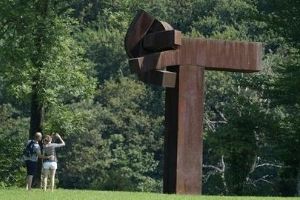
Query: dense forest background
x=63, y=69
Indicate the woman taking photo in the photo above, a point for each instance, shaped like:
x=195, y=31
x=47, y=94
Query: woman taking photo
x=50, y=164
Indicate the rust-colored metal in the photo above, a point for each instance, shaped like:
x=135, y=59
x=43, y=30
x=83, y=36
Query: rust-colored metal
x=165, y=79
x=190, y=126
x=183, y=132
x=222, y=55
x=162, y=40
x=171, y=136
x=140, y=25
x=159, y=55
x=140, y=40
x=211, y=54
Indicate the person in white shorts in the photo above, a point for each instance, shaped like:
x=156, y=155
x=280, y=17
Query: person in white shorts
x=50, y=164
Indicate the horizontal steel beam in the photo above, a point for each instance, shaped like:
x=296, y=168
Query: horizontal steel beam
x=212, y=54
x=161, y=78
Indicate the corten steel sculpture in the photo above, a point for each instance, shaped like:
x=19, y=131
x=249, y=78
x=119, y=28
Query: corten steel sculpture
x=160, y=55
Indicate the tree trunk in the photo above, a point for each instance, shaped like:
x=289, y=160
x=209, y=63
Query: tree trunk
x=298, y=181
x=36, y=118
x=36, y=123
x=37, y=103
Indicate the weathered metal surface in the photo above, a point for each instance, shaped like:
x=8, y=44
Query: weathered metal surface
x=145, y=27
x=183, y=132
x=162, y=40
x=171, y=136
x=160, y=26
x=158, y=60
x=190, y=128
x=221, y=55
x=163, y=78
x=138, y=28
x=185, y=59
x=211, y=54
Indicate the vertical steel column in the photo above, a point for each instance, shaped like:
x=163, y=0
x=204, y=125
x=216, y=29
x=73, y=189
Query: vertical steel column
x=183, y=134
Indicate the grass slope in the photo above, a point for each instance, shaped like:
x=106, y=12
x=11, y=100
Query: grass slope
x=15, y=194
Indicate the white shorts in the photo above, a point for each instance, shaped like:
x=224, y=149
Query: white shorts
x=50, y=165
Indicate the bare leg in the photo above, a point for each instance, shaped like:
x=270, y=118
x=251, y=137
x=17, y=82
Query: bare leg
x=46, y=173
x=52, y=178
x=42, y=178
x=28, y=182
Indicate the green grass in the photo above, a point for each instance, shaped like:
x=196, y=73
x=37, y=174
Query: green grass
x=16, y=194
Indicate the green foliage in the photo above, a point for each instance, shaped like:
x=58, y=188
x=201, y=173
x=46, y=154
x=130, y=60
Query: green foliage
x=284, y=18
x=13, y=134
x=285, y=86
x=117, y=143
x=104, y=49
x=40, y=51
x=86, y=160
x=134, y=136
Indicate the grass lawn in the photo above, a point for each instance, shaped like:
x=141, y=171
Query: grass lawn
x=16, y=194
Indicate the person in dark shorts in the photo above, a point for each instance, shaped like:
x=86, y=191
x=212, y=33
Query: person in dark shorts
x=32, y=158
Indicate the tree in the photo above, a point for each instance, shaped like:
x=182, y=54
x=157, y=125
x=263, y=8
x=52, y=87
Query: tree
x=119, y=145
x=283, y=18
x=286, y=98
x=41, y=62
x=13, y=133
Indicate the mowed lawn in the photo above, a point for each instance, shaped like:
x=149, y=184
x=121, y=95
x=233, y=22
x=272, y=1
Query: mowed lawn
x=16, y=194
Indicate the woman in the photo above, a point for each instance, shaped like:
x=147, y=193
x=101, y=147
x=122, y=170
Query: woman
x=50, y=164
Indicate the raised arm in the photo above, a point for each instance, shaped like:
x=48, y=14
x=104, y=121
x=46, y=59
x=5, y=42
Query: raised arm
x=62, y=142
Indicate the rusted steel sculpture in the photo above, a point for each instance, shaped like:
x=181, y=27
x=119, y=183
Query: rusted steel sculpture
x=160, y=55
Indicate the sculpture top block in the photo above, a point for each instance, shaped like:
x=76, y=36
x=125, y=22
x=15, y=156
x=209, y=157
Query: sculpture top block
x=153, y=45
